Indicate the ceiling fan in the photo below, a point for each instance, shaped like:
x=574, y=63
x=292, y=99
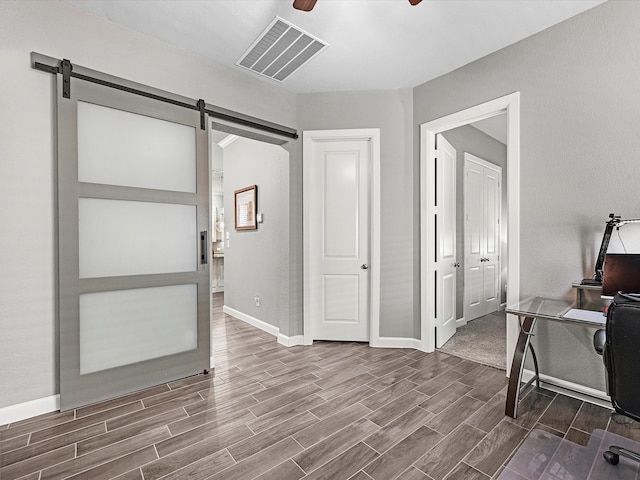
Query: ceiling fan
x=307, y=5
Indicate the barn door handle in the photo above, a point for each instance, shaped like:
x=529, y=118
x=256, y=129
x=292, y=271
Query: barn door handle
x=204, y=247
x=364, y=266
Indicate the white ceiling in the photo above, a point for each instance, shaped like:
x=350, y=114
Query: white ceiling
x=373, y=44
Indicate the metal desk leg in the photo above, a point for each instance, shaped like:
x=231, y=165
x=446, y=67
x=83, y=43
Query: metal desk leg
x=517, y=367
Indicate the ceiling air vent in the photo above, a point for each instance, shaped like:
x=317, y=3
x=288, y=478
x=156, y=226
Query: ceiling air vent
x=280, y=50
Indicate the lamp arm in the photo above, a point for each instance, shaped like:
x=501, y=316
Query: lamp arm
x=614, y=221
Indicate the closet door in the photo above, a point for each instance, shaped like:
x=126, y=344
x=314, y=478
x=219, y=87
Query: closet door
x=133, y=219
x=482, y=211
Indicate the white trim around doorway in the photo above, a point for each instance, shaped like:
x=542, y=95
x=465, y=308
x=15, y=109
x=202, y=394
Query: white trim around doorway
x=509, y=104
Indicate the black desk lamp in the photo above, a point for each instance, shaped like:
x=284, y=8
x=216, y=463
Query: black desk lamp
x=614, y=221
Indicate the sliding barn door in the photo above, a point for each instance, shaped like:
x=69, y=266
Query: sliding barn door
x=133, y=219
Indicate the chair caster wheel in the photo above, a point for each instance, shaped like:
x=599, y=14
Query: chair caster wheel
x=612, y=458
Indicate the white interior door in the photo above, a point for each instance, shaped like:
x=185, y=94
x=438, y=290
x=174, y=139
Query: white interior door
x=446, y=260
x=133, y=213
x=482, y=210
x=337, y=230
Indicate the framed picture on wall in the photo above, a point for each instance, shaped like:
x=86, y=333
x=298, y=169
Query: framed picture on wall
x=245, y=203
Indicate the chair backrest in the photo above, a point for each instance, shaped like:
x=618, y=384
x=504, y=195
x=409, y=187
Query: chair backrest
x=622, y=354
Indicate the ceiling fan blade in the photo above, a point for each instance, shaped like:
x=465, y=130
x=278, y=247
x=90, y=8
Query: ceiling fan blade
x=414, y=2
x=305, y=5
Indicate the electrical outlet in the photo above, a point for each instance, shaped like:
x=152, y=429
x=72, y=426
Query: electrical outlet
x=257, y=300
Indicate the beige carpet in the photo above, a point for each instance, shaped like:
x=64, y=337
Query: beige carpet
x=482, y=340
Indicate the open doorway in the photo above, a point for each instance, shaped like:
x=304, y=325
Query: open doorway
x=508, y=105
x=481, y=238
x=249, y=270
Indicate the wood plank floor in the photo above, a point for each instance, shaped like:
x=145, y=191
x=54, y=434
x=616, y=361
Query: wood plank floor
x=328, y=411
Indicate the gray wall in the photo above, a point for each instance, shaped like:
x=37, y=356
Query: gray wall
x=391, y=111
x=257, y=260
x=28, y=342
x=580, y=134
x=467, y=139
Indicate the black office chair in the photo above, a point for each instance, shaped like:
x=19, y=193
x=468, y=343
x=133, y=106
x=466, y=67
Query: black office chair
x=619, y=345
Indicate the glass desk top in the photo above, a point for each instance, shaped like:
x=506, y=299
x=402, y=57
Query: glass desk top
x=557, y=310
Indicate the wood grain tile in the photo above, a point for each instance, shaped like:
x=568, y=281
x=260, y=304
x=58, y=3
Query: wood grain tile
x=285, y=413
x=284, y=399
x=323, y=451
x=119, y=401
x=446, y=455
x=394, y=377
x=190, y=452
x=35, y=464
x=590, y=417
x=466, y=472
x=35, y=424
x=445, y=398
x=531, y=409
x=447, y=420
x=94, y=419
x=131, y=475
x=51, y=444
x=343, y=401
x=394, y=391
x=346, y=464
x=342, y=410
x=398, y=429
x=13, y=443
x=105, y=439
x=287, y=470
x=217, y=416
x=439, y=382
x=489, y=415
x=489, y=455
x=345, y=386
x=330, y=425
x=412, y=473
x=262, y=440
x=147, y=413
x=397, y=459
x=261, y=462
x=284, y=387
x=203, y=467
x=396, y=408
x=118, y=466
x=104, y=455
x=560, y=414
x=361, y=475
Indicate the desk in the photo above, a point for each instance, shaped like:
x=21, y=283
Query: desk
x=528, y=311
x=580, y=289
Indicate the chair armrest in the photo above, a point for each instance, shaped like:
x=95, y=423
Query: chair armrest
x=599, y=339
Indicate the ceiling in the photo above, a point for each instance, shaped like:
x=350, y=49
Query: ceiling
x=373, y=44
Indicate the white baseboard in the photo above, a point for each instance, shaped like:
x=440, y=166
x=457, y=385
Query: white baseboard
x=33, y=408
x=570, y=389
x=264, y=326
x=290, y=341
x=461, y=322
x=395, y=342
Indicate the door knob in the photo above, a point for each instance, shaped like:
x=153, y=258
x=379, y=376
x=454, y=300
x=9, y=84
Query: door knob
x=457, y=264
x=364, y=266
